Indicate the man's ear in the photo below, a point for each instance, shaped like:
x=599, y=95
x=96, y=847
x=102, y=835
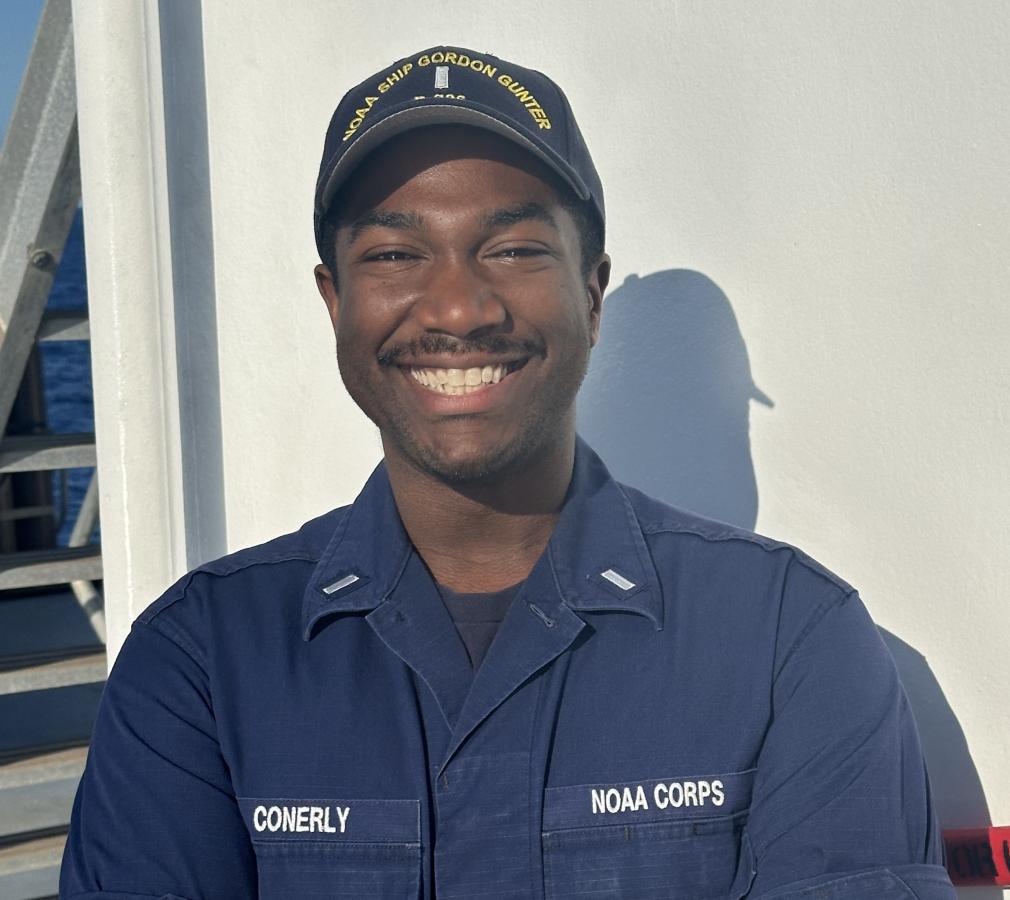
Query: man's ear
x=328, y=291
x=596, y=285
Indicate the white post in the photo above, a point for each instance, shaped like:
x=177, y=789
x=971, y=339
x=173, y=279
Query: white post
x=124, y=186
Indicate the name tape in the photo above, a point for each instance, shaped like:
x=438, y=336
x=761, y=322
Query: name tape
x=376, y=821
x=654, y=800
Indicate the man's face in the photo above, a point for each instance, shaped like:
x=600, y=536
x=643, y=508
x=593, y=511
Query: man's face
x=463, y=318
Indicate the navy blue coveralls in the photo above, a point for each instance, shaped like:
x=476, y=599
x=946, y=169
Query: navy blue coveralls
x=672, y=707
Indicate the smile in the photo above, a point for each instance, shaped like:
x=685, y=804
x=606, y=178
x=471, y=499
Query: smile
x=463, y=381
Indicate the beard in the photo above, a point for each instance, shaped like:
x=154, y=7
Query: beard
x=531, y=440
x=545, y=424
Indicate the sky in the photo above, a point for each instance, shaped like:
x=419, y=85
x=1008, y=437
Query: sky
x=18, y=19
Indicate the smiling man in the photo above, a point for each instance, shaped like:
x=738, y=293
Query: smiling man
x=498, y=673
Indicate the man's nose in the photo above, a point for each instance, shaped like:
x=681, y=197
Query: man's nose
x=459, y=300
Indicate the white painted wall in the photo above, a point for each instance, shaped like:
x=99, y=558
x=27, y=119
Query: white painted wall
x=809, y=198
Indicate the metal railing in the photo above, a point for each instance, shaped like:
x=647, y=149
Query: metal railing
x=49, y=685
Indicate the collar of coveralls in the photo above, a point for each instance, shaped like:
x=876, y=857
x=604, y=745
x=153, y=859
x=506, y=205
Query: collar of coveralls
x=597, y=554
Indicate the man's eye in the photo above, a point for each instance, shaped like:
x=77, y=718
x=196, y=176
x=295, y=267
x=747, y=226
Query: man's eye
x=388, y=256
x=520, y=252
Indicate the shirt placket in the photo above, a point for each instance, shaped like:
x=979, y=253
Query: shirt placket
x=488, y=777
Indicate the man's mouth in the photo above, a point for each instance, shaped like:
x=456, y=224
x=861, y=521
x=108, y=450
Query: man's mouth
x=463, y=381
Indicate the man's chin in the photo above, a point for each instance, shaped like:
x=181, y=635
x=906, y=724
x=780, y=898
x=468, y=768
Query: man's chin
x=462, y=466
x=467, y=469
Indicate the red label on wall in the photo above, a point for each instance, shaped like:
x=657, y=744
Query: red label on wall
x=978, y=855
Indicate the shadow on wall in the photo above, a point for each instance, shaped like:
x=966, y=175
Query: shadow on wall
x=666, y=403
x=957, y=790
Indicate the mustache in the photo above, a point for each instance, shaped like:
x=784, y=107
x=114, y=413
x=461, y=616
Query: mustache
x=444, y=345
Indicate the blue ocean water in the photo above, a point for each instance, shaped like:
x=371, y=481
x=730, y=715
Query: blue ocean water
x=66, y=372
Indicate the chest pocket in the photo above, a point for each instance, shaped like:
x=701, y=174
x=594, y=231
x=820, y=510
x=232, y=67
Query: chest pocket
x=651, y=840
x=335, y=848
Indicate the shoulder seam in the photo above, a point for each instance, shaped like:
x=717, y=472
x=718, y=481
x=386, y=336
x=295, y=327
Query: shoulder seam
x=174, y=639
x=768, y=545
x=207, y=568
x=743, y=538
x=181, y=587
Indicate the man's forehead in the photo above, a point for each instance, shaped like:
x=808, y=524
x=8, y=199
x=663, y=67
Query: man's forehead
x=414, y=220
x=414, y=154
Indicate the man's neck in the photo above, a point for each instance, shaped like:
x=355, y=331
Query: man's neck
x=487, y=536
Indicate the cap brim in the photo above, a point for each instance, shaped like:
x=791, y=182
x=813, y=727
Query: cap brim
x=399, y=121
x=761, y=397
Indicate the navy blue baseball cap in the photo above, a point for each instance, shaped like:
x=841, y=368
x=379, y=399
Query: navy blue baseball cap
x=455, y=86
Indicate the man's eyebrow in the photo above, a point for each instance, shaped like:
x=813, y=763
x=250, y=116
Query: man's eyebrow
x=524, y=212
x=375, y=218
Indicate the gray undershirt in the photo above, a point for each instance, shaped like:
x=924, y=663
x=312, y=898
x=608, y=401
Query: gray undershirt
x=477, y=617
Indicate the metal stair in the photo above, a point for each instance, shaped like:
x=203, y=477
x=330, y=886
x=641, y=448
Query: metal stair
x=52, y=670
x=42, y=452
x=52, y=626
x=32, y=868
x=39, y=785
x=82, y=665
x=37, y=568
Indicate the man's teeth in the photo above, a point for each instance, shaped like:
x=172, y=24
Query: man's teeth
x=459, y=381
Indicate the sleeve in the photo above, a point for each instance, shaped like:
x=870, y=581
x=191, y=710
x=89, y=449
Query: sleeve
x=841, y=804
x=155, y=813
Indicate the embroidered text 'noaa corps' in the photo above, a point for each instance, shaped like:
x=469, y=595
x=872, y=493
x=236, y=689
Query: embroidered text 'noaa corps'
x=632, y=798
x=691, y=798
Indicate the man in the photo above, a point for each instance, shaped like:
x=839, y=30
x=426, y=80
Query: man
x=499, y=673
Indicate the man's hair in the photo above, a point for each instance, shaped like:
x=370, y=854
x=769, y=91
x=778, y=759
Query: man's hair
x=587, y=225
